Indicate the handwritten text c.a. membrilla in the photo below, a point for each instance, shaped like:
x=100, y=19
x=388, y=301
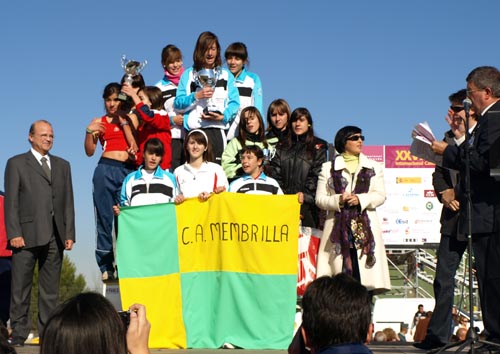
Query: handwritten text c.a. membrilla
x=235, y=232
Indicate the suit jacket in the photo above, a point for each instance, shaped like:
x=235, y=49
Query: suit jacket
x=442, y=179
x=34, y=204
x=485, y=192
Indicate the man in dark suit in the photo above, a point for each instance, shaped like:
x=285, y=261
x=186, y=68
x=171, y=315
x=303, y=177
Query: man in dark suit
x=452, y=245
x=40, y=223
x=483, y=88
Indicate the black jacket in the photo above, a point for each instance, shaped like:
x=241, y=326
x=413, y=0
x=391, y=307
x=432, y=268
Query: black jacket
x=485, y=191
x=443, y=179
x=296, y=172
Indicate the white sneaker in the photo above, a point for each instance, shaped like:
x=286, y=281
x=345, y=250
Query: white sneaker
x=108, y=276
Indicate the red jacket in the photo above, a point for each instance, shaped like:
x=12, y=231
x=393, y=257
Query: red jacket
x=4, y=252
x=155, y=125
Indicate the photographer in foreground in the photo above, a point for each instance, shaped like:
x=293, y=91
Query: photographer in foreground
x=337, y=317
x=88, y=323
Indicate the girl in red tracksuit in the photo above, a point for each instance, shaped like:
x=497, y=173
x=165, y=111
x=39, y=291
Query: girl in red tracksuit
x=154, y=121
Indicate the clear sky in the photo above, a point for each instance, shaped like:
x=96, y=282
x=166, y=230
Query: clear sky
x=381, y=65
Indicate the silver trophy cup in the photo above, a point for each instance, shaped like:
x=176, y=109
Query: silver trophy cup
x=208, y=78
x=131, y=68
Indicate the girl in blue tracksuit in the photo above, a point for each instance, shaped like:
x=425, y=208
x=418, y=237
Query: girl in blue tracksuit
x=248, y=83
x=171, y=60
x=193, y=98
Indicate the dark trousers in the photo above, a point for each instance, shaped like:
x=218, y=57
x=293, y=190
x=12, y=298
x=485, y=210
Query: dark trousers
x=49, y=259
x=449, y=255
x=107, y=181
x=491, y=303
x=5, y=280
x=177, y=154
x=217, y=139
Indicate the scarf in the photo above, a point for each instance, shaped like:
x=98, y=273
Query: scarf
x=174, y=78
x=254, y=137
x=282, y=135
x=351, y=162
x=352, y=226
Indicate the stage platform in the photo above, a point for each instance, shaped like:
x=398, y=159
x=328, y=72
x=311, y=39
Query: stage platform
x=376, y=348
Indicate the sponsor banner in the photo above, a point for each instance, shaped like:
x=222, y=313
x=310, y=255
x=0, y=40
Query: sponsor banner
x=411, y=212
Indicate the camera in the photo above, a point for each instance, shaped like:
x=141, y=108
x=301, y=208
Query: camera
x=125, y=317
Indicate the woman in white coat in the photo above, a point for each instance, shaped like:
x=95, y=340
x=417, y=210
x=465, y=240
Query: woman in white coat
x=350, y=191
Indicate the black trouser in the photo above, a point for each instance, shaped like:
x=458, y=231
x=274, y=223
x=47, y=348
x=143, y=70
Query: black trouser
x=49, y=259
x=177, y=154
x=449, y=255
x=217, y=140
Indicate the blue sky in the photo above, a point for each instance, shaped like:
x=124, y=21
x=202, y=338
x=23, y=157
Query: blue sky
x=381, y=65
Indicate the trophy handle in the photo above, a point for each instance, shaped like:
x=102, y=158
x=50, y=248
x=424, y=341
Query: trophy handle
x=124, y=61
x=218, y=71
x=141, y=66
x=196, y=78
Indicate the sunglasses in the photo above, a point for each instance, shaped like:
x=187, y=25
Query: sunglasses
x=457, y=109
x=356, y=138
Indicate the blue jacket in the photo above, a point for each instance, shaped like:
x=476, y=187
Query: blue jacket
x=250, y=90
x=225, y=97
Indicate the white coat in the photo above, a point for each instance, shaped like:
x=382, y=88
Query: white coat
x=376, y=278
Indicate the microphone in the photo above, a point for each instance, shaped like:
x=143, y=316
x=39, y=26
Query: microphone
x=467, y=104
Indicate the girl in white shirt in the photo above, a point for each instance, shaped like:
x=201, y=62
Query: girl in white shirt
x=199, y=177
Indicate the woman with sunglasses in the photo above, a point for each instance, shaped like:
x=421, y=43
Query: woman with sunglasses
x=350, y=188
x=297, y=164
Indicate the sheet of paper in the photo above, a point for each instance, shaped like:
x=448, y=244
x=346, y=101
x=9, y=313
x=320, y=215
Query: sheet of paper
x=424, y=130
x=421, y=146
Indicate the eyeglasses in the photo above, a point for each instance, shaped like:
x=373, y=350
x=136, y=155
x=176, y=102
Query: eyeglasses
x=356, y=138
x=470, y=91
x=457, y=109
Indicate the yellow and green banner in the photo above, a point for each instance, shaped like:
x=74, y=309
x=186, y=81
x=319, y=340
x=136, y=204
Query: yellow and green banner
x=214, y=272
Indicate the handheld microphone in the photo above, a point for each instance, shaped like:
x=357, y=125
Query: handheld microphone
x=467, y=104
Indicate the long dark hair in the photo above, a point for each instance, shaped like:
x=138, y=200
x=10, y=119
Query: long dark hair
x=309, y=139
x=242, y=128
x=110, y=89
x=201, y=138
x=137, y=81
x=155, y=96
x=205, y=40
x=282, y=107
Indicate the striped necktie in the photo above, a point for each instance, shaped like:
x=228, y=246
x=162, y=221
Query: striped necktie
x=46, y=168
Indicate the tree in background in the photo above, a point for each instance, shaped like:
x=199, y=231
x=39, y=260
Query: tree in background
x=70, y=285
